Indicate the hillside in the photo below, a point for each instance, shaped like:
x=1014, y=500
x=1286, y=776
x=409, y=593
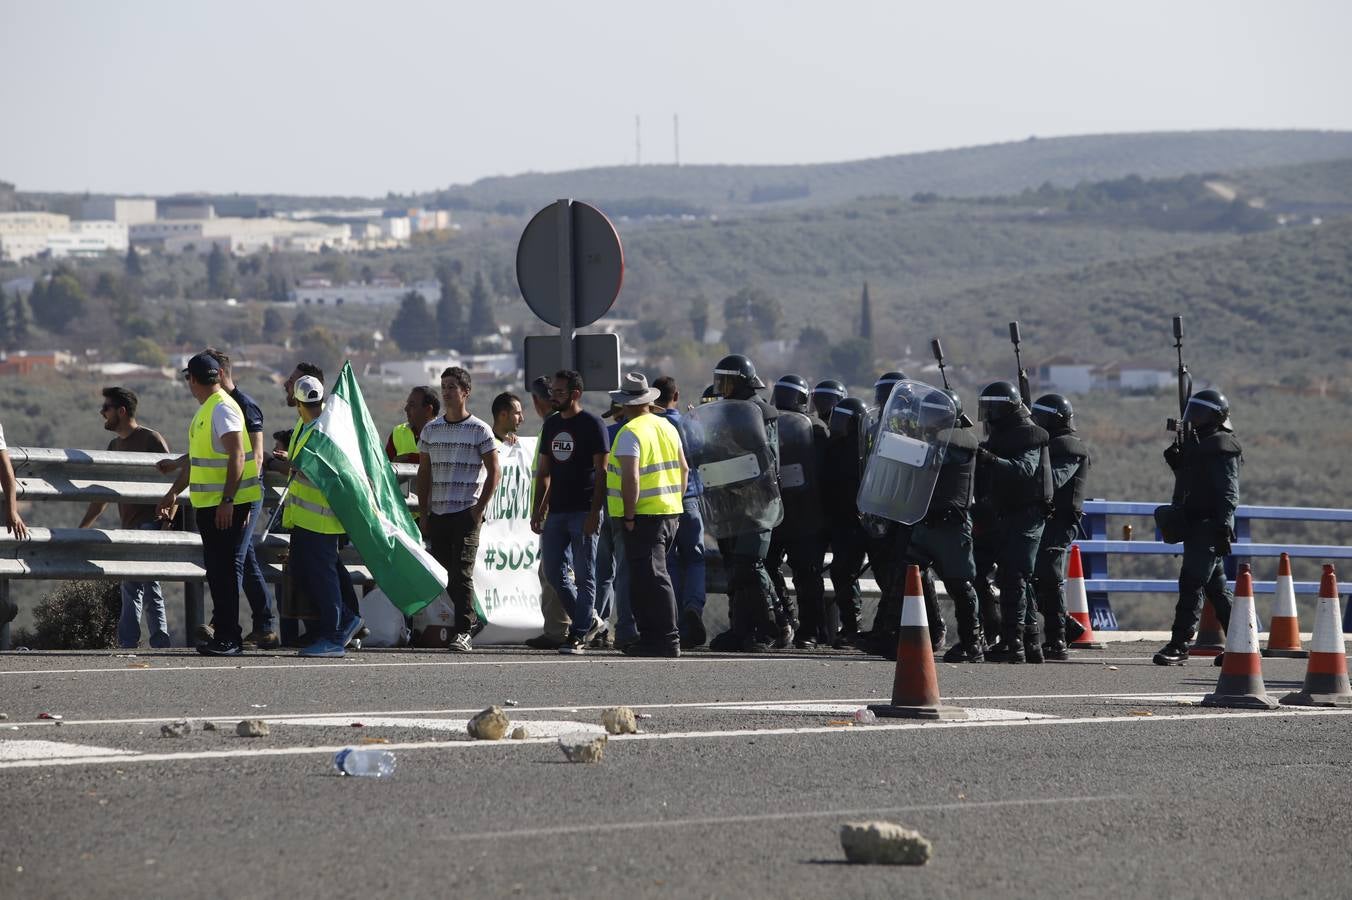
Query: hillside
x=1319, y=186
x=992, y=169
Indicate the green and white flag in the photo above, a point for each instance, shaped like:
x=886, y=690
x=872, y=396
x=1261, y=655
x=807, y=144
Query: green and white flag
x=344, y=458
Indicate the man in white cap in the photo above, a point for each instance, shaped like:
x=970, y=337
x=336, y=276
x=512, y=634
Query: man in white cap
x=645, y=480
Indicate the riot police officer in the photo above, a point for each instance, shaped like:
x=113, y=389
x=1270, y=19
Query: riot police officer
x=753, y=625
x=1070, y=463
x=840, y=487
x=943, y=539
x=1015, y=455
x=801, y=536
x=825, y=396
x=1205, y=462
x=882, y=388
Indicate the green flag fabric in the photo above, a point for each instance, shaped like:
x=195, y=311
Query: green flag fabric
x=345, y=459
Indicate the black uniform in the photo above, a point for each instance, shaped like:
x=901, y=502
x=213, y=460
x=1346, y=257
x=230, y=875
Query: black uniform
x=840, y=487
x=1021, y=490
x=802, y=538
x=1070, y=463
x=1206, y=489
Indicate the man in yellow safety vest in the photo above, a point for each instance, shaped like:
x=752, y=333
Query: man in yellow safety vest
x=645, y=480
x=222, y=482
x=423, y=405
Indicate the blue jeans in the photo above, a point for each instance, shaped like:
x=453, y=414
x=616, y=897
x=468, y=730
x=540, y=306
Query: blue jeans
x=315, y=570
x=251, y=579
x=563, y=544
x=685, y=562
x=135, y=594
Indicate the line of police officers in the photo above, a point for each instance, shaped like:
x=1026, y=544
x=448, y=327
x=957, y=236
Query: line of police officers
x=1012, y=501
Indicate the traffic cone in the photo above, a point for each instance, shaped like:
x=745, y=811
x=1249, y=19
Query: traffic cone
x=1241, y=682
x=1210, y=639
x=1326, y=675
x=1284, y=627
x=915, y=688
x=1077, y=603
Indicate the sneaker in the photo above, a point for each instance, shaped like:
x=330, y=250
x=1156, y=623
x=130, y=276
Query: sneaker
x=603, y=641
x=460, y=644
x=638, y=648
x=545, y=642
x=323, y=648
x=262, y=640
x=345, y=635
x=598, y=625
x=1172, y=655
x=204, y=633
x=574, y=646
x=219, y=647
x=692, y=630
x=160, y=642
x=803, y=642
x=354, y=644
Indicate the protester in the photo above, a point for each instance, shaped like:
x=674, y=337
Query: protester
x=223, y=486
x=422, y=406
x=686, y=564
x=507, y=416
x=13, y=521
x=119, y=416
x=570, y=486
x=457, y=474
x=315, y=535
x=644, y=483
x=557, y=620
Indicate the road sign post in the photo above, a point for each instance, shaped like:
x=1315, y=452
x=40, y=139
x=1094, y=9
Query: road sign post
x=570, y=265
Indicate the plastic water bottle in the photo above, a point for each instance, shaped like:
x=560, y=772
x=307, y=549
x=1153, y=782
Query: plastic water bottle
x=865, y=716
x=363, y=762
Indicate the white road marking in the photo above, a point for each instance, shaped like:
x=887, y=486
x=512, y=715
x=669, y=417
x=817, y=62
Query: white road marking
x=883, y=726
x=362, y=715
x=845, y=709
x=561, y=830
x=538, y=728
x=46, y=750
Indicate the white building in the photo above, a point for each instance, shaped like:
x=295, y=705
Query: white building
x=240, y=236
x=413, y=372
x=33, y=222
x=18, y=247
x=124, y=210
x=376, y=294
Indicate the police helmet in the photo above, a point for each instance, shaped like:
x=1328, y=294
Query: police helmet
x=710, y=394
x=1054, y=413
x=999, y=402
x=937, y=412
x=826, y=395
x=791, y=393
x=847, y=418
x=883, y=386
x=1207, y=410
x=734, y=371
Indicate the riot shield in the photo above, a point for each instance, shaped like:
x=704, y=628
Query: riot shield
x=728, y=446
x=905, y=453
x=799, y=476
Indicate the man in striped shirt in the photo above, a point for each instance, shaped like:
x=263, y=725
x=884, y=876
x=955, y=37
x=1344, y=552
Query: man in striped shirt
x=457, y=475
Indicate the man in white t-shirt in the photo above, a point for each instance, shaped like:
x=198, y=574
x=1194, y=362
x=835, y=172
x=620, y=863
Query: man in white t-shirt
x=457, y=475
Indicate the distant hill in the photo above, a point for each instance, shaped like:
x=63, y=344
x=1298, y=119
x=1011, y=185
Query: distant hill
x=1317, y=186
x=987, y=170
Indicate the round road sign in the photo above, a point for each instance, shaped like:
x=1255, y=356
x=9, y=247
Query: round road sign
x=597, y=263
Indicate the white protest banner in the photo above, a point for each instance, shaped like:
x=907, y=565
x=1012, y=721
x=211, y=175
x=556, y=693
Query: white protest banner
x=506, y=572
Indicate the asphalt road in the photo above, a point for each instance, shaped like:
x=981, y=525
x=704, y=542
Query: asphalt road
x=1100, y=776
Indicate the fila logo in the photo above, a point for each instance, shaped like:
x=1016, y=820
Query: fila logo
x=561, y=448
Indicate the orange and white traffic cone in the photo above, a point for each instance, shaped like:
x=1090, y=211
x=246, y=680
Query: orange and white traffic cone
x=1326, y=675
x=1284, y=627
x=1077, y=603
x=1241, y=682
x=1210, y=639
x=915, y=687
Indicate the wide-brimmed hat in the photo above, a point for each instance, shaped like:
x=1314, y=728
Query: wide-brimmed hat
x=634, y=391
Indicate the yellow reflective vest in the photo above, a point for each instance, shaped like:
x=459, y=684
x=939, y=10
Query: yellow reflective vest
x=404, y=440
x=206, y=476
x=306, y=505
x=659, y=469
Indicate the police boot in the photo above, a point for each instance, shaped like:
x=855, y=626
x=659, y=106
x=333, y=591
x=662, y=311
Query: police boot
x=1054, y=647
x=937, y=629
x=732, y=640
x=784, y=631
x=885, y=644
x=1032, y=646
x=971, y=645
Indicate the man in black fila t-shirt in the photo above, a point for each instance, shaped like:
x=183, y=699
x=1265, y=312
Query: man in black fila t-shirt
x=570, y=490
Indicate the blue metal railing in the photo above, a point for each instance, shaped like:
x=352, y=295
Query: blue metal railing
x=1095, y=551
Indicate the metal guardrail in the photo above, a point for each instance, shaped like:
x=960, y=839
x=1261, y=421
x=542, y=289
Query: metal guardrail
x=126, y=555
x=48, y=474
x=1098, y=548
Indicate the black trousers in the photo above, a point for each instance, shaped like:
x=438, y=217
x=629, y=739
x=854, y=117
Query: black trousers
x=1049, y=574
x=651, y=594
x=454, y=542
x=225, y=567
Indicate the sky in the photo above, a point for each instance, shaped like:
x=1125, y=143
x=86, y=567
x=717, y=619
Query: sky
x=361, y=98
